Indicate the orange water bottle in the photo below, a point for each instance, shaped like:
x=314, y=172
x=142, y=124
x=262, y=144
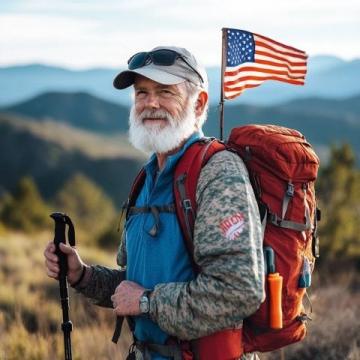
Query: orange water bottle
x=274, y=282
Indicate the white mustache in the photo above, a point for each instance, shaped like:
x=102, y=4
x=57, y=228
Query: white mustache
x=154, y=114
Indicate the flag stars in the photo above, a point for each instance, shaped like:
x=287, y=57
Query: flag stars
x=240, y=47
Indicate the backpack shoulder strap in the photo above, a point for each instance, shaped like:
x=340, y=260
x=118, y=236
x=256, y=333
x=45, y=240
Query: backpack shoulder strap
x=134, y=192
x=186, y=177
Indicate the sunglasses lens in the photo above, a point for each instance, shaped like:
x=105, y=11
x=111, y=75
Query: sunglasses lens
x=163, y=57
x=137, y=60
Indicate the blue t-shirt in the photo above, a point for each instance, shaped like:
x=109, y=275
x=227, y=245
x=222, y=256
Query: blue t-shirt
x=162, y=258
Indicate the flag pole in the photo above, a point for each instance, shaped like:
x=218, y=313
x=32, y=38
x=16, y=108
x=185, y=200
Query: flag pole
x=221, y=103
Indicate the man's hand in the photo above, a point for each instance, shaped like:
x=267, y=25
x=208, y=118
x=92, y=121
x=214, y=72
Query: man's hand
x=75, y=264
x=126, y=299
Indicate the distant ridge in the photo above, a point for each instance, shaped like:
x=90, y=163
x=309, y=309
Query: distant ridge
x=328, y=76
x=322, y=121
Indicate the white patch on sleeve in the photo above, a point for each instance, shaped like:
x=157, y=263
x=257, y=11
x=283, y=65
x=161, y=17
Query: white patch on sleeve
x=233, y=226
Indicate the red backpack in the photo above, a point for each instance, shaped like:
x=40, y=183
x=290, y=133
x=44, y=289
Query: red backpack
x=283, y=168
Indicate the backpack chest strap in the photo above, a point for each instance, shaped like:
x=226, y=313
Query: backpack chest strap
x=155, y=210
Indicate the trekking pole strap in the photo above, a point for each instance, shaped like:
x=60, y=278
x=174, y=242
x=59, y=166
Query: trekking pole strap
x=118, y=327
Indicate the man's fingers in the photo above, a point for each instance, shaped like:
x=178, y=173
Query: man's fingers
x=52, y=274
x=50, y=256
x=113, y=300
x=50, y=248
x=118, y=312
x=66, y=249
x=52, y=266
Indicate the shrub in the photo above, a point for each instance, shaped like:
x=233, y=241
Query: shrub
x=24, y=209
x=86, y=204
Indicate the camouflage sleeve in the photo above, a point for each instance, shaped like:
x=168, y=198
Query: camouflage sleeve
x=101, y=284
x=228, y=248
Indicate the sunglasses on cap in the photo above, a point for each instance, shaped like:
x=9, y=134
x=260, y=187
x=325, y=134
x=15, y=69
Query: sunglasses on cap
x=162, y=57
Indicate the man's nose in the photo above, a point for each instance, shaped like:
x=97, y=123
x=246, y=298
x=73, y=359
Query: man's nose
x=152, y=101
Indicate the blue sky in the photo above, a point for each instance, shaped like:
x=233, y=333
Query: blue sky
x=85, y=33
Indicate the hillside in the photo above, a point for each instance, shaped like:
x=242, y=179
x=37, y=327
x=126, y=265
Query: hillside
x=74, y=139
x=25, y=149
x=78, y=109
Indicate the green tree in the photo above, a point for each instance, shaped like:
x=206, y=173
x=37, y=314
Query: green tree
x=24, y=209
x=339, y=194
x=88, y=206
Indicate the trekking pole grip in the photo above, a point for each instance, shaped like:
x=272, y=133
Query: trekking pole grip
x=59, y=237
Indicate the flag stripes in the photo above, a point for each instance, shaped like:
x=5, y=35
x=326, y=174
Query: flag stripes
x=253, y=59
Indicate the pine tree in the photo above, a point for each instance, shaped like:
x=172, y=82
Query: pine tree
x=339, y=194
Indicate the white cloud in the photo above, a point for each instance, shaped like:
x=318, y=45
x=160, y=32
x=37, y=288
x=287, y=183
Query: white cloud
x=84, y=33
x=23, y=27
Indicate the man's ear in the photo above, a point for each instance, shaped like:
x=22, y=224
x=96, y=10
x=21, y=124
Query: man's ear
x=200, y=103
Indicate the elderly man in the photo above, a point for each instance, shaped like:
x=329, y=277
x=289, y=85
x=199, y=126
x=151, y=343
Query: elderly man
x=167, y=302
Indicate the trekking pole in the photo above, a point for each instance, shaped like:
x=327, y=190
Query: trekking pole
x=61, y=220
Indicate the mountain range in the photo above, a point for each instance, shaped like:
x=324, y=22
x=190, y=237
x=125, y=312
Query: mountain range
x=322, y=121
x=327, y=76
x=55, y=135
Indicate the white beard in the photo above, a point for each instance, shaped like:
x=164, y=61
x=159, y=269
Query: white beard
x=156, y=137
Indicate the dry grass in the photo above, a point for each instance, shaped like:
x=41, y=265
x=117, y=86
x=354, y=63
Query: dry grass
x=30, y=313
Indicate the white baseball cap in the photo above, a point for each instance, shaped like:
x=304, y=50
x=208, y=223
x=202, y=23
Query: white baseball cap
x=166, y=65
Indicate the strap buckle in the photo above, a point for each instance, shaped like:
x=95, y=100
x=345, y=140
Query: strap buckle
x=187, y=204
x=290, y=189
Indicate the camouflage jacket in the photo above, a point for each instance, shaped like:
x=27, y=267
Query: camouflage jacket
x=228, y=249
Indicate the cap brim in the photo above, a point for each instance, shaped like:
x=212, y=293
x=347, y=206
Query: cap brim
x=126, y=78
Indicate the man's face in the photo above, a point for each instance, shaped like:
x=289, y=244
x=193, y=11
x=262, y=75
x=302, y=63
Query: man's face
x=152, y=96
x=162, y=117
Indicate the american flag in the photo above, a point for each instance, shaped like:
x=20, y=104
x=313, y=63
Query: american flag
x=251, y=59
